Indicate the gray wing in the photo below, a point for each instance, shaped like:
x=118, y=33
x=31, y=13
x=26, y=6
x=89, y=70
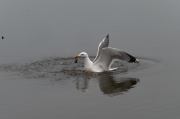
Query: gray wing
x=104, y=43
x=108, y=55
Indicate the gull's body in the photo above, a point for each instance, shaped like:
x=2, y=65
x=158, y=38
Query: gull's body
x=105, y=57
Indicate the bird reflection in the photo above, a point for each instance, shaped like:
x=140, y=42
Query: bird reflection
x=109, y=84
x=112, y=86
x=82, y=84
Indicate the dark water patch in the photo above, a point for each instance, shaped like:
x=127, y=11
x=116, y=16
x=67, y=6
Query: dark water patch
x=58, y=68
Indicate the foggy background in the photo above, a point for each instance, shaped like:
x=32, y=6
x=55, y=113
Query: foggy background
x=45, y=28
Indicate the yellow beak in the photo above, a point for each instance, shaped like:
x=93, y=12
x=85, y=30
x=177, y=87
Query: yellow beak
x=77, y=56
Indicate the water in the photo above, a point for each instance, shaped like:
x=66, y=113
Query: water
x=38, y=76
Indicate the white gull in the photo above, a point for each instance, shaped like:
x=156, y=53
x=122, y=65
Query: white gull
x=105, y=57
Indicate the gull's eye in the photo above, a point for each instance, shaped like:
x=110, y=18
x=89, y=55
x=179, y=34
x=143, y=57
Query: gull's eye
x=81, y=54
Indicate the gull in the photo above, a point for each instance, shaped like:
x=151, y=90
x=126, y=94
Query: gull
x=105, y=57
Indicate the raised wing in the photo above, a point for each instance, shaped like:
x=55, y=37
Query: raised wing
x=104, y=43
x=108, y=55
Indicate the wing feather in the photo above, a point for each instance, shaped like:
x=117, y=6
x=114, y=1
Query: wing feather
x=104, y=43
x=108, y=55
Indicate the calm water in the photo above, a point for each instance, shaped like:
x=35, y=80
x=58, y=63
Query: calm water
x=38, y=76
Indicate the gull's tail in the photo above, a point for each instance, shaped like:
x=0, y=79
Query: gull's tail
x=132, y=59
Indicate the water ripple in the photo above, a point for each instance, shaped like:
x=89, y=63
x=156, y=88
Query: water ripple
x=58, y=69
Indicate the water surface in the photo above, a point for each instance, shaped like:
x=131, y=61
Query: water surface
x=38, y=76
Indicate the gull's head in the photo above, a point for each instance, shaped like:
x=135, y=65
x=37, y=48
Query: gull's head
x=82, y=54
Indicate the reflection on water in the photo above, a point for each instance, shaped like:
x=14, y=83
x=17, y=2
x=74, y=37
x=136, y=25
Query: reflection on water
x=108, y=84
x=82, y=84
x=111, y=87
x=64, y=69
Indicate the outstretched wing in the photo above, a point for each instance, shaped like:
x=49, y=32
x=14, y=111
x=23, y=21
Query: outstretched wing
x=104, y=43
x=108, y=55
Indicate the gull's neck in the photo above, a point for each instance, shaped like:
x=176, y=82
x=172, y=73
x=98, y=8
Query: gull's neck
x=87, y=63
